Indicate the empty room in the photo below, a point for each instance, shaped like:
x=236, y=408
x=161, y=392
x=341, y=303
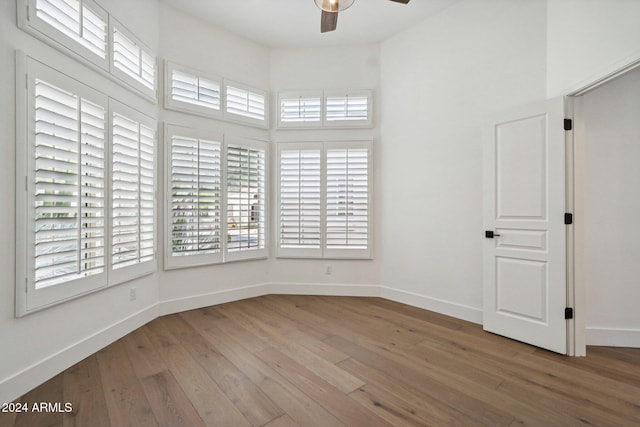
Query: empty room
x=319, y=212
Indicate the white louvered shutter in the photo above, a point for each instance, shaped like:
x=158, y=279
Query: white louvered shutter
x=196, y=183
x=133, y=190
x=347, y=108
x=246, y=103
x=192, y=89
x=69, y=186
x=300, y=201
x=77, y=21
x=245, y=198
x=347, y=205
x=300, y=109
x=134, y=61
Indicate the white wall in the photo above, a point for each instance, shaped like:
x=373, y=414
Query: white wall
x=49, y=341
x=610, y=175
x=350, y=67
x=189, y=41
x=588, y=39
x=438, y=80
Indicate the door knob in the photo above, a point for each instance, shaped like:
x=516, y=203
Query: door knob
x=490, y=234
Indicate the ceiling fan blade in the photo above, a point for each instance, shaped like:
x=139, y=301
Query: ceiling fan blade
x=328, y=21
x=401, y=1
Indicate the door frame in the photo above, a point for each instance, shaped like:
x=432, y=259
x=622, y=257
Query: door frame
x=576, y=292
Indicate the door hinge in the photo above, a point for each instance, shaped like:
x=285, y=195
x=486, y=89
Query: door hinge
x=568, y=124
x=568, y=218
x=568, y=313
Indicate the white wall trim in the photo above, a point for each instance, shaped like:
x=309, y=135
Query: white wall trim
x=448, y=308
x=178, y=305
x=36, y=374
x=32, y=376
x=324, y=289
x=613, y=337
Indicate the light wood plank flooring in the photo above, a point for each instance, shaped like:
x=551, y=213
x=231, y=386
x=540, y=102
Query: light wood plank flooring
x=334, y=361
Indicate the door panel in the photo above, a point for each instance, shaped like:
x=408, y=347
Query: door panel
x=524, y=199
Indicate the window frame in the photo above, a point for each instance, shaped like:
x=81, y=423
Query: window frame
x=144, y=268
x=130, y=81
x=28, y=298
x=302, y=124
x=250, y=254
x=324, y=252
x=368, y=123
x=238, y=118
x=186, y=107
x=170, y=261
x=29, y=22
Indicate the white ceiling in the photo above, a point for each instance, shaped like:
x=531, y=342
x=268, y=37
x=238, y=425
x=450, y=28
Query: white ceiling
x=296, y=23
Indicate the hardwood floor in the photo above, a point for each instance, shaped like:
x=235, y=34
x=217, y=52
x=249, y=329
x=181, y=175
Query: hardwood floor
x=334, y=361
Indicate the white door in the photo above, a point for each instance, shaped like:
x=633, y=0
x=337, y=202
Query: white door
x=524, y=207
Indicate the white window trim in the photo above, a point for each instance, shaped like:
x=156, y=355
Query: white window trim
x=130, y=81
x=303, y=124
x=29, y=22
x=253, y=253
x=171, y=262
x=185, y=107
x=323, y=122
x=299, y=252
x=29, y=299
x=131, y=272
x=263, y=124
x=324, y=252
x=349, y=123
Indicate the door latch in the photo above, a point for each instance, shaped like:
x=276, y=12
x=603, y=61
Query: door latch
x=489, y=234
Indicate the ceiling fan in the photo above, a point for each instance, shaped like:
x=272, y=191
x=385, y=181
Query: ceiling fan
x=330, y=9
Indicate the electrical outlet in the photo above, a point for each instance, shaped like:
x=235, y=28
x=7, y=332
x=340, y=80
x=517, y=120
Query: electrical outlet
x=132, y=294
x=327, y=270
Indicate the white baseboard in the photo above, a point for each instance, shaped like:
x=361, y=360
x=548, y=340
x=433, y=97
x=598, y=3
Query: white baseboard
x=324, y=289
x=613, y=337
x=448, y=308
x=32, y=376
x=179, y=305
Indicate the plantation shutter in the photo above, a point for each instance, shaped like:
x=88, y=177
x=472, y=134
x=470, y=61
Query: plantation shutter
x=347, y=204
x=300, y=109
x=133, y=190
x=189, y=88
x=300, y=202
x=347, y=108
x=69, y=186
x=78, y=22
x=247, y=104
x=245, y=198
x=196, y=184
x=130, y=58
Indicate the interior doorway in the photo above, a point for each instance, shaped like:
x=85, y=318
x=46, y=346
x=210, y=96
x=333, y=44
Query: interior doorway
x=606, y=198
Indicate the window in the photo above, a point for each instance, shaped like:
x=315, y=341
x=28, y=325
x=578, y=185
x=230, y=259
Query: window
x=132, y=192
x=300, y=109
x=348, y=109
x=132, y=61
x=324, y=200
x=215, y=196
x=90, y=34
x=190, y=91
x=246, y=105
x=300, y=199
x=336, y=109
x=79, y=26
x=245, y=167
x=194, y=198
